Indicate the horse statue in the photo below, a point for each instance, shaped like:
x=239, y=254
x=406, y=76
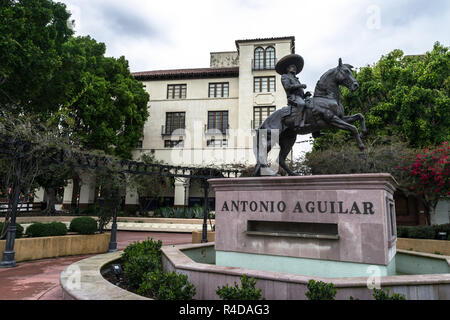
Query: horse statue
x=323, y=111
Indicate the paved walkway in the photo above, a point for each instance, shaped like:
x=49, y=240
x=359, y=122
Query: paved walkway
x=39, y=280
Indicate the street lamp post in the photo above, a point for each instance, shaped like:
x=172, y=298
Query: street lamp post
x=8, y=259
x=205, y=212
x=113, y=240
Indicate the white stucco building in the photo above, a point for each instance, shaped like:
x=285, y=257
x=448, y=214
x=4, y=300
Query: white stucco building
x=206, y=116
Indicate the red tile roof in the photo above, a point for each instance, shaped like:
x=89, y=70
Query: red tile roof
x=187, y=73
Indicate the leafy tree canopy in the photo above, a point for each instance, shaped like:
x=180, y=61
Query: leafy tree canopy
x=32, y=34
x=107, y=107
x=67, y=82
x=403, y=96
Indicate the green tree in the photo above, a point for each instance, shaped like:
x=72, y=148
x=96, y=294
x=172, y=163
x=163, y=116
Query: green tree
x=106, y=107
x=27, y=151
x=67, y=81
x=386, y=154
x=32, y=34
x=149, y=185
x=402, y=96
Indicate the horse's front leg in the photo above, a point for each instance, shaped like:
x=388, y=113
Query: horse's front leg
x=344, y=125
x=356, y=117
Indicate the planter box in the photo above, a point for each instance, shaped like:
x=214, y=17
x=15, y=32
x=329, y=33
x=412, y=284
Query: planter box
x=197, y=236
x=52, y=247
x=423, y=245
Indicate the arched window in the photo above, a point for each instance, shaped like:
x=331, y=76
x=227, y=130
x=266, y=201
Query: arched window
x=269, y=58
x=259, y=59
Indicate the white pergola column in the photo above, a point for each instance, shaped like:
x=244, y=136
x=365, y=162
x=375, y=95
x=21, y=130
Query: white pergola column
x=131, y=197
x=68, y=191
x=39, y=195
x=87, y=191
x=181, y=192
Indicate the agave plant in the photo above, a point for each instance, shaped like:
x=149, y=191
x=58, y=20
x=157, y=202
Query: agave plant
x=178, y=212
x=167, y=212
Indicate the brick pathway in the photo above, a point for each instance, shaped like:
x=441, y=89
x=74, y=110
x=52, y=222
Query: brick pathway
x=39, y=280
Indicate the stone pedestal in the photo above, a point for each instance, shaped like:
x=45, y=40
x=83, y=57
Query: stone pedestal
x=328, y=226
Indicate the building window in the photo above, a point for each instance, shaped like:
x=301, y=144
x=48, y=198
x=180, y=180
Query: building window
x=213, y=143
x=269, y=58
x=260, y=114
x=264, y=59
x=176, y=91
x=174, y=121
x=173, y=143
x=264, y=84
x=218, y=120
x=259, y=59
x=218, y=90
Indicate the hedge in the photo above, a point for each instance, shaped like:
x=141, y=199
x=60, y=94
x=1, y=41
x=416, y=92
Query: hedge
x=51, y=229
x=83, y=225
x=423, y=232
x=19, y=230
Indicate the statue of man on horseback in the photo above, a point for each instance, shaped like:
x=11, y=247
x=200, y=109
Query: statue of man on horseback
x=304, y=115
x=288, y=68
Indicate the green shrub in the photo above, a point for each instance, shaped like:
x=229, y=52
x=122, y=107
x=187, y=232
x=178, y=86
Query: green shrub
x=19, y=230
x=51, y=229
x=247, y=291
x=318, y=290
x=402, y=232
x=83, y=225
x=441, y=228
x=421, y=232
x=379, y=294
x=166, y=286
x=140, y=258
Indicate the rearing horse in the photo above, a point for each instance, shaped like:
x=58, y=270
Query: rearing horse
x=323, y=111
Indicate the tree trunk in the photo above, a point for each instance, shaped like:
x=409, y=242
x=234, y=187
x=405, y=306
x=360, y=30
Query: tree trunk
x=51, y=201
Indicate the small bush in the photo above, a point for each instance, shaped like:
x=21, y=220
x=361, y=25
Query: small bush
x=421, y=232
x=442, y=228
x=141, y=258
x=318, y=290
x=247, y=291
x=166, y=286
x=51, y=229
x=19, y=230
x=402, y=232
x=379, y=294
x=83, y=225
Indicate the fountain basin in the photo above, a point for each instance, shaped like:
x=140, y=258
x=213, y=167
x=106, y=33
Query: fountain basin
x=430, y=281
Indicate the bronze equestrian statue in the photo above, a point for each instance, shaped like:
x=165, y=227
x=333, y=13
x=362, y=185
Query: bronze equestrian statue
x=305, y=115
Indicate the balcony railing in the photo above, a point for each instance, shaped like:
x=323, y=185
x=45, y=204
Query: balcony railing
x=216, y=131
x=169, y=131
x=264, y=65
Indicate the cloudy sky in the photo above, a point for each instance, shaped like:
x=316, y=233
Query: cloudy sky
x=170, y=34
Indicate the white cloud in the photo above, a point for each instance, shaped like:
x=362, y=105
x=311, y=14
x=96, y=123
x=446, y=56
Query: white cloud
x=173, y=34
x=180, y=34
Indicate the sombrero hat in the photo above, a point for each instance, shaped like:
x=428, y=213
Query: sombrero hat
x=286, y=61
